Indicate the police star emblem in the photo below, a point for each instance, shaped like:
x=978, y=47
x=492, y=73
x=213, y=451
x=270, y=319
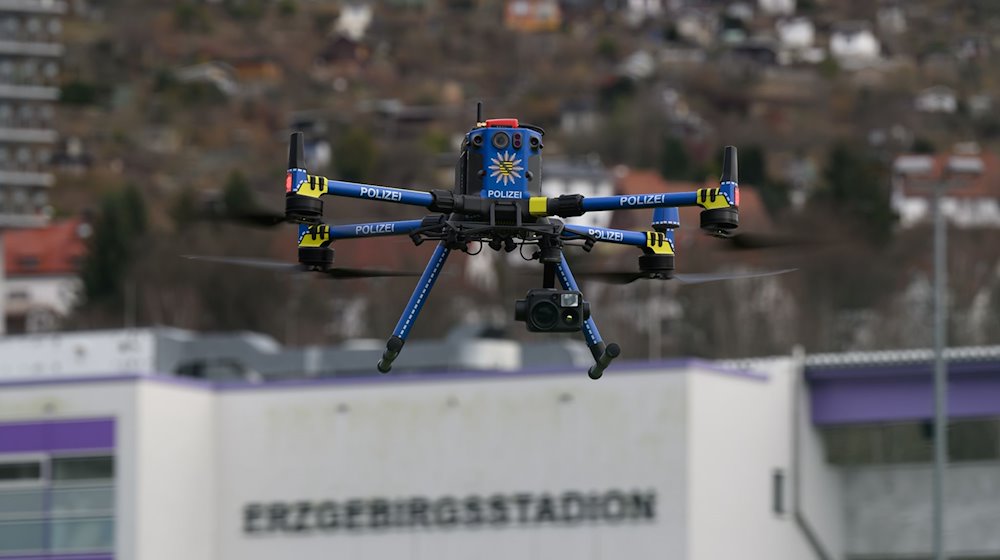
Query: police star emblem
x=506, y=168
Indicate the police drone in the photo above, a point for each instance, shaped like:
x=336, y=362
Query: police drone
x=498, y=202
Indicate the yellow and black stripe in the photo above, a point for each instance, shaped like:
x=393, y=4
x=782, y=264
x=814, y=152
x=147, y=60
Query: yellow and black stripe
x=314, y=186
x=712, y=198
x=317, y=235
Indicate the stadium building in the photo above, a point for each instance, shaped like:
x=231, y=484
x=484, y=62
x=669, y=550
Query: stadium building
x=141, y=445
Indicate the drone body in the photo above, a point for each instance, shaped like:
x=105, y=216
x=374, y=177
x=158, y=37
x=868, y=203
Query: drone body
x=497, y=201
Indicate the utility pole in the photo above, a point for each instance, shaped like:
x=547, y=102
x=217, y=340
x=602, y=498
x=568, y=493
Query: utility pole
x=953, y=167
x=940, y=371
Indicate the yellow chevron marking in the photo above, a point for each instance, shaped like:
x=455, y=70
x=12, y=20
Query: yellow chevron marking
x=711, y=198
x=317, y=236
x=314, y=186
x=658, y=243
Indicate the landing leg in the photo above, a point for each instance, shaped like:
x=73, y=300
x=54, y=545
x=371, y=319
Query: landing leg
x=602, y=354
x=416, y=303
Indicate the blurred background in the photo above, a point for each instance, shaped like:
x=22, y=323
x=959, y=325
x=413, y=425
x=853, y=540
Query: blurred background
x=135, y=382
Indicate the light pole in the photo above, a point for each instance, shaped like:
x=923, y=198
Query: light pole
x=954, y=167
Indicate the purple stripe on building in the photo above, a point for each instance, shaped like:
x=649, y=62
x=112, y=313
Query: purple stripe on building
x=899, y=393
x=57, y=435
x=80, y=556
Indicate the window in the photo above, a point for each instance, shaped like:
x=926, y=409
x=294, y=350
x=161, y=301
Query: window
x=57, y=504
x=20, y=471
x=911, y=442
x=778, y=491
x=83, y=468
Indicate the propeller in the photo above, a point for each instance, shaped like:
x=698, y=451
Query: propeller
x=750, y=241
x=627, y=277
x=335, y=272
x=257, y=218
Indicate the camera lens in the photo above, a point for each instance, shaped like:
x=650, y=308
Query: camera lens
x=500, y=140
x=477, y=140
x=544, y=315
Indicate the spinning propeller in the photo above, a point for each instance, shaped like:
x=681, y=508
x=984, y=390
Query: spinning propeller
x=341, y=273
x=627, y=277
x=751, y=241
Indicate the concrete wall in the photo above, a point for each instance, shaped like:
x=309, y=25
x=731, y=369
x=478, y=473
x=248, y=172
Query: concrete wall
x=177, y=472
x=888, y=510
x=457, y=437
x=739, y=434
x=59, y=355
x=819, y=485
x=96, y=400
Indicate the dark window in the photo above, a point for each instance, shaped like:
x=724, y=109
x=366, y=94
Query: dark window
x=28, y=261
x=778, y=491
x=82, y=468
x=27, y=470
x=911, y=442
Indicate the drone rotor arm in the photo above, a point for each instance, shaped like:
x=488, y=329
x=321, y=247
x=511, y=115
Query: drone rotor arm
x=374, y=229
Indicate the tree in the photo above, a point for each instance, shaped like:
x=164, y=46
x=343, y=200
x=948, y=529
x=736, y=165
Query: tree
x=857, y=188
x=237, y=197
x=355, y=154
x=117, y=232
x=674, y=161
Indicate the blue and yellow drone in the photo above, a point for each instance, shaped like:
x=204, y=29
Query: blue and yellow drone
x=497, y=201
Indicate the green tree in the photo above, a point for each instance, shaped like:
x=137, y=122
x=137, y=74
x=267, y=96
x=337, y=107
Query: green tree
x=355, y=154
x=118, y=231
x=857, y=186
x=674, y=160
x=237, y=196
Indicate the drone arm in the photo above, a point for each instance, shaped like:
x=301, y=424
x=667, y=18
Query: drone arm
x=608, y=235
x=655, y=241
x=413, y=307
x=314, y=186
x=374, y=229
x=726, y=195
x=602, y=354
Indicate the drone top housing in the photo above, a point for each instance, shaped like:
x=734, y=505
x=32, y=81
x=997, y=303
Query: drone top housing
x=501, y=158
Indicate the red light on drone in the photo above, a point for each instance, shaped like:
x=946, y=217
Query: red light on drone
x=511, y=123
x=288, y=183
x=737, y=191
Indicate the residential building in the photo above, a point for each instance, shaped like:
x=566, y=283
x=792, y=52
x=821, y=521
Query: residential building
x=854, y=45
x=579, y=176
x=796, y=33
x=532, y=16
x=937, y=99
x=777, y=7
x=970, y=200
x=42, y=274
x=30, y=53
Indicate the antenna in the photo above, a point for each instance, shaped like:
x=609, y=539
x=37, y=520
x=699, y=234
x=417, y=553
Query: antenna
x=479, y=111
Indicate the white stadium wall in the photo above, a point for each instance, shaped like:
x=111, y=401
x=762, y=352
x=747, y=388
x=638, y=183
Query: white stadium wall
x=531, y=438
x=670, y=461
x=178, y=473
x=70, y=401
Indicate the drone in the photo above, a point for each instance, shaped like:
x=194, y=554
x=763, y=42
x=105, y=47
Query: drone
x=497, y=201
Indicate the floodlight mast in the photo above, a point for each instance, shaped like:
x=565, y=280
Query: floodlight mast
x=499, y=203
x=955, y=167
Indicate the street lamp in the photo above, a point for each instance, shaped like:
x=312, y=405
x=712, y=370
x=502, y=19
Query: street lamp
x=955, y=167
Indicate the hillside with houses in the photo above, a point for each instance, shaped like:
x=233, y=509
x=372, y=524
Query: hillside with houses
x=847, y=115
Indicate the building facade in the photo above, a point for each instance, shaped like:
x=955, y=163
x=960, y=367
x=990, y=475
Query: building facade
x=30, y=53
x=798, y=457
